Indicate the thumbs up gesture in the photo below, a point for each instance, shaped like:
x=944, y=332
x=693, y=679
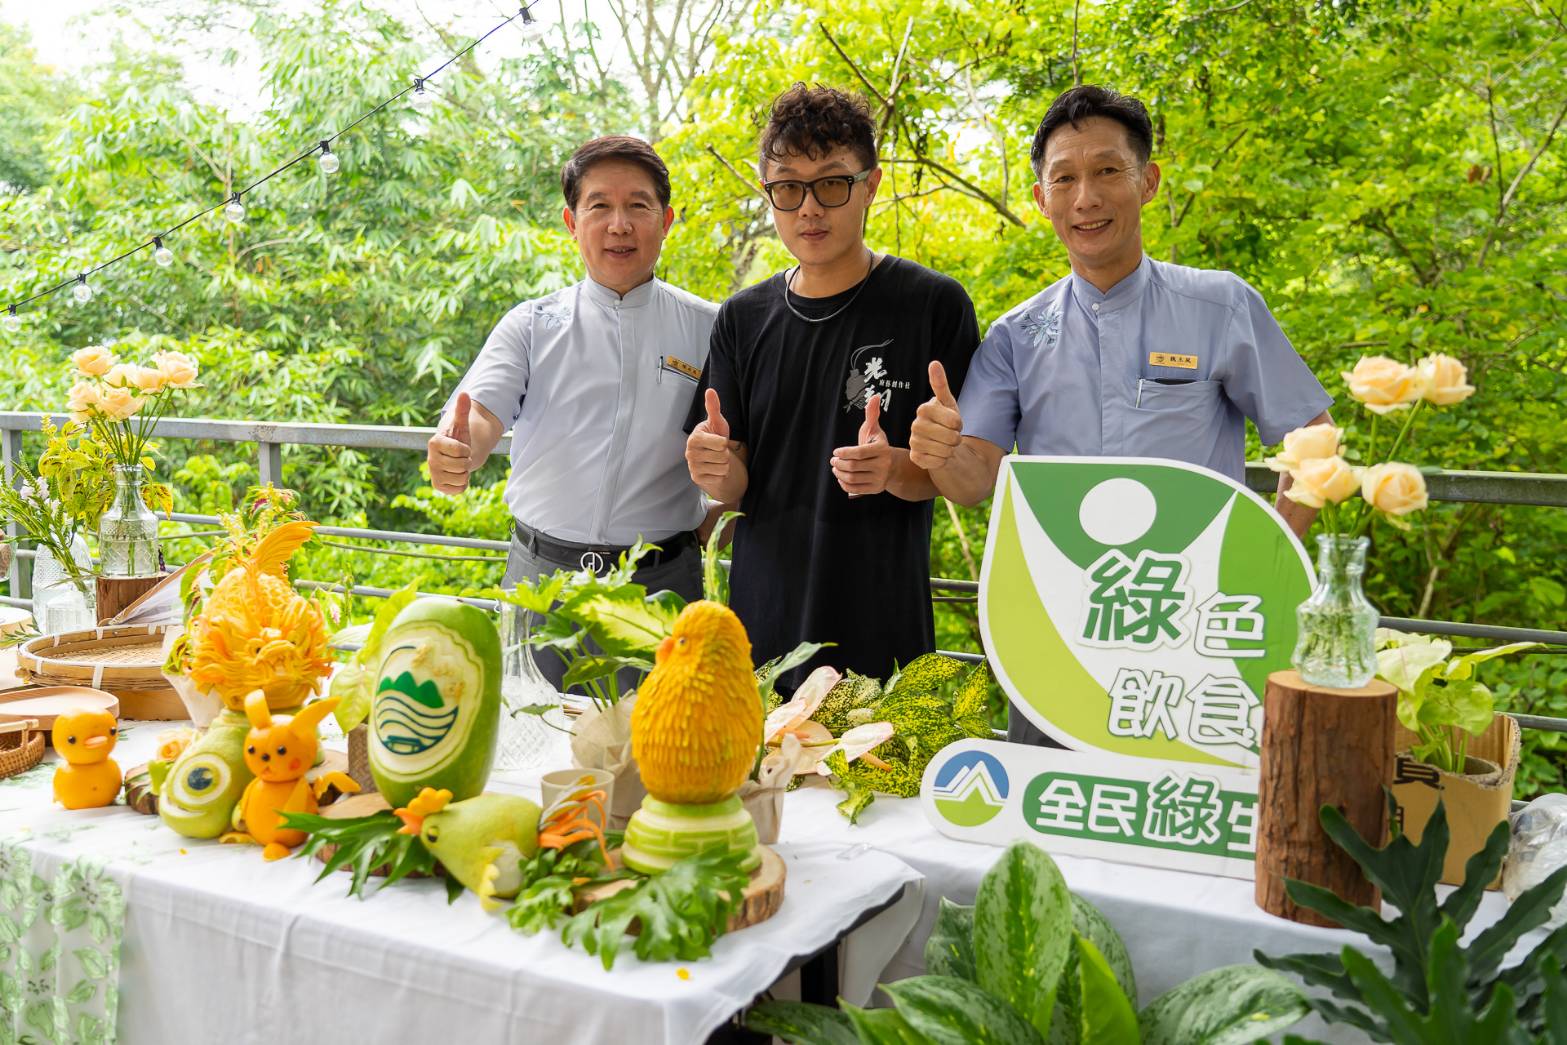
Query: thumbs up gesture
x=938, y=427
x=710, y=453
x=450, y=450
x=865, y=467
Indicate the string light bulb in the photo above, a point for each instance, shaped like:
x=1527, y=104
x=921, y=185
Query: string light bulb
x=13, y=322
x=328, y=160
x=161, y=254
x=422, y=99
x=81, y=292
x=533, y=27
x=235, y=211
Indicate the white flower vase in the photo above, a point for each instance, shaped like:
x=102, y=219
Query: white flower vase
x=201, y=705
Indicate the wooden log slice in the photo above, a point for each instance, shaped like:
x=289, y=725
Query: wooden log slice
x=759, y=902
x=116, y=593
x=1320, y=747
x=138, y=791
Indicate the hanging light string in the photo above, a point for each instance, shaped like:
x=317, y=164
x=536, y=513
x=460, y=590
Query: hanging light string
x=233, y=205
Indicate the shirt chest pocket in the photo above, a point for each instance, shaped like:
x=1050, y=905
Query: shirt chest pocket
x=1175, y=421
x=675, y=382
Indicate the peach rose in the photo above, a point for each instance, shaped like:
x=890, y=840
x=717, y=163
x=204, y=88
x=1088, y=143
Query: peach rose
x=121, y=375
x=1321, y=481
x=119, y=403
x=1443, y=380
x=1383, y=385
x=1394, y=488
x=83, y=397
x=147, y=378
x=178, y=369
x=1311, y=443
x=92, y=361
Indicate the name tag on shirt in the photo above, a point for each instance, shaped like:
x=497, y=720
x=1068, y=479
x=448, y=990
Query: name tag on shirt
x=680, y=366
x=1170, y=359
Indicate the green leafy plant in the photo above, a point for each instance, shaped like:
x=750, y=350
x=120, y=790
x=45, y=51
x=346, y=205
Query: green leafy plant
x=678, y=914
x=363, y=844
x=1031, y=963
x=934, y=701
x=35, y=509
x=1440, y=990
x=1439, y=699
x=354, y=683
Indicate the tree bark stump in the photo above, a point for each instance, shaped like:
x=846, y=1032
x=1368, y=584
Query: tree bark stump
x=116, y=593
x=1320, y=747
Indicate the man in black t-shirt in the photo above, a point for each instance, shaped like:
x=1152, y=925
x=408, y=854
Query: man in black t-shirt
x=802, y=417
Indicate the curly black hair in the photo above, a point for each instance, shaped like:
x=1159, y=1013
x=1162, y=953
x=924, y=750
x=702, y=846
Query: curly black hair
x=813, y=121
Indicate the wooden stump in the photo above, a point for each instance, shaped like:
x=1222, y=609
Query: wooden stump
x=1320, y=747
x=116, y=593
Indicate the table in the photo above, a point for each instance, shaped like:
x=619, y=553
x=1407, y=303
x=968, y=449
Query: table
x=215, y=944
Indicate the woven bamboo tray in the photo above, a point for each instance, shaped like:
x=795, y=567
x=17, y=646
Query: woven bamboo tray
x=126, y=660
x=21, y=746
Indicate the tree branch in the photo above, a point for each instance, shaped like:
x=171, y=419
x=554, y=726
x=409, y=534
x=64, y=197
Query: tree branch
x=855, y=69
x=1512, y=188
x=747, y=182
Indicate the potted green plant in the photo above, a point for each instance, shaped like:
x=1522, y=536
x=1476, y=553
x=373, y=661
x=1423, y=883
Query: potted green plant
x=1453, y=744
x=1442, y=984
x=1030, y=962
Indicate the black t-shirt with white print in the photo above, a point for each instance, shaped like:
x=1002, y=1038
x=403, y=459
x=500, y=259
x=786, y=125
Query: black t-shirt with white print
x=809, y=562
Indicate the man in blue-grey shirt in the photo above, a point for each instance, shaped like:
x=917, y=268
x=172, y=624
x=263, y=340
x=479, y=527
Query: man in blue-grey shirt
x=1126, y=356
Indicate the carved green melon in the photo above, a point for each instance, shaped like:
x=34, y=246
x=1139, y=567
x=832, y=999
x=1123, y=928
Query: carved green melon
x=204, y=785
x=437, y=702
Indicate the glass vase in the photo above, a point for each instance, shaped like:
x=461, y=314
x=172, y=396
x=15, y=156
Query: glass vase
x=525, y=739
x=1336, y=643
x=128, y=532
x=61, y=604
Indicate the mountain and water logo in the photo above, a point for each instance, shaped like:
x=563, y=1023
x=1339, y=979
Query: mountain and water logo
x=410, y=716
x=970, y=788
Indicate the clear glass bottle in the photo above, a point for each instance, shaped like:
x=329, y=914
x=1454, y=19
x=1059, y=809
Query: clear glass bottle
x=1336, y=642
x=128, y=532
x=59, y=603
x=525, y=739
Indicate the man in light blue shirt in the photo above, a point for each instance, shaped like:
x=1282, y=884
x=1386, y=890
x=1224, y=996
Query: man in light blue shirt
x=1126, y=356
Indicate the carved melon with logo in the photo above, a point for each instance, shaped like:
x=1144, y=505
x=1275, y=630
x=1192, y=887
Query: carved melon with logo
x=437, y=702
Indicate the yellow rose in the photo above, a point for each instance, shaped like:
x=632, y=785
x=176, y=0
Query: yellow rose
x=119, y=403
x=92, y=361
x=1311, y=443
x=1393, y=488
x=178, y=369
x=83, y=397
x=121, y=375
x=173, y=741
x=148, y=379
x=1443, y=380
x=1383, y=385
x=1324, y=480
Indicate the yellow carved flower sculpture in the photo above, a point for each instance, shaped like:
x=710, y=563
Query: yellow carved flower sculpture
x=256, y=632
x=697, y=723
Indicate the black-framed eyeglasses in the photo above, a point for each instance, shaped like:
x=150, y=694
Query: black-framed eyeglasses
x=831, y=191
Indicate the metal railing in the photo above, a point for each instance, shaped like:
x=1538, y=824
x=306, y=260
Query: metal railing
x=1512, y=488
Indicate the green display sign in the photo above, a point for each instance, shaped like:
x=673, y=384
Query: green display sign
x=1137, y=607
x=1133, y=610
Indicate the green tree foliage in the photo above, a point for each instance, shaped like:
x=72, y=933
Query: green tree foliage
x=1389, y=173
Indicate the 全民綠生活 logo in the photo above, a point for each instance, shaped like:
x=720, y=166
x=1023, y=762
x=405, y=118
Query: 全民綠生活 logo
x=971, y=788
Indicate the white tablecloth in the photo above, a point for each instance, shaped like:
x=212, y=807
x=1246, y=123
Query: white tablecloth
x=222, y=946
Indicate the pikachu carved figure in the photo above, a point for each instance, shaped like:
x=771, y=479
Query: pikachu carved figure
x=88, y=777
x=279, y=751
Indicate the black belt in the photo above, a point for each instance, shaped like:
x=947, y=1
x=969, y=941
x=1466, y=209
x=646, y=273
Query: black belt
x=599, y=557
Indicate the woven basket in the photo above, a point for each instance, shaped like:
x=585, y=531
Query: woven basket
x=21, y=746
x=126, y=660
